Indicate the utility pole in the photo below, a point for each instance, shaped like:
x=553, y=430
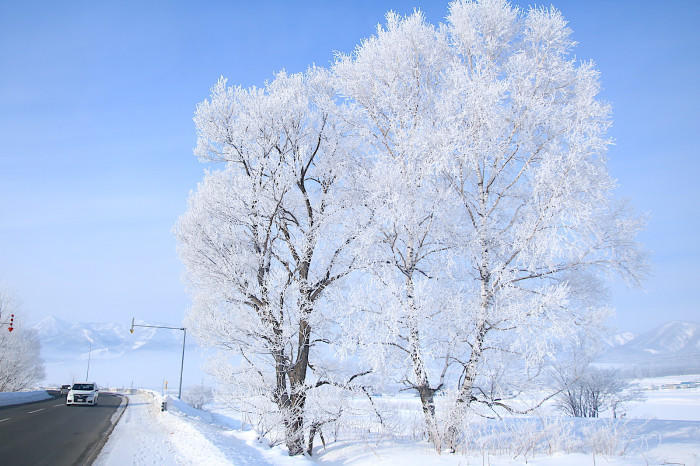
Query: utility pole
x=182, y=359
x=87, y=374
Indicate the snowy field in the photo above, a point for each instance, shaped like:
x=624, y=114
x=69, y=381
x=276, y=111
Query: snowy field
x=663, y=429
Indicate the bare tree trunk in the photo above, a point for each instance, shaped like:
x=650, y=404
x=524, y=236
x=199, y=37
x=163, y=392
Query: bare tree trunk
x=297, y=378
x=290, y=395
x=428, y=405
x=464, y=396
x=422, y=384
x=315, y=427
x=295, y=421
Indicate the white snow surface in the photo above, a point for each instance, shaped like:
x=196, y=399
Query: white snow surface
x=183, y=436
x=668, y=433
x=16, y=398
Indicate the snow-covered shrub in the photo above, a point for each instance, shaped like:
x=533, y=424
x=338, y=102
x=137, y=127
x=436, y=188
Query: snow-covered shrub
x=590, y=391
x=610, y=437
x=197, y=396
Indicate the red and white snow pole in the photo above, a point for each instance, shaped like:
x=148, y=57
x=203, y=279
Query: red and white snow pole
x=10, y=323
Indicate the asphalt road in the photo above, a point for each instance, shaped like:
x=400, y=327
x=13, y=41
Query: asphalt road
x=50, y=433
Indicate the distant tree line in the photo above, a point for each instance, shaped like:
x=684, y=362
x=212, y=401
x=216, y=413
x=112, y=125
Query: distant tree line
x=21, y=366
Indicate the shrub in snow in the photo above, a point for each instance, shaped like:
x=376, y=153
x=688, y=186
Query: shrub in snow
x=608, y=437
x=589, y=391
x=198, y=395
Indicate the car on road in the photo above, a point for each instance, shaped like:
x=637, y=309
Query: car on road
x=83, y=393
x=65, y=389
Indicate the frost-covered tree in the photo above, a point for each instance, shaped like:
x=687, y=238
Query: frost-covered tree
x=392, y=81
x=493, y=117
x=6, y=305
x=526, y=161
x=265, y=236
x=463, y=176
x=21, y=365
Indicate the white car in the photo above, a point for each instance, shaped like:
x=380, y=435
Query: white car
x=83, y=393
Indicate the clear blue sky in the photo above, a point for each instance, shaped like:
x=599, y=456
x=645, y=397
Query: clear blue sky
x=96, y=135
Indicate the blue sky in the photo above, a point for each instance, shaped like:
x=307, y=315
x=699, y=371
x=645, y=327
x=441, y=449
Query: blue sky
x=96, y=136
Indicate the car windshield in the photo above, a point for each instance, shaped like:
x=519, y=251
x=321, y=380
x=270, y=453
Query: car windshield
x=83, y=386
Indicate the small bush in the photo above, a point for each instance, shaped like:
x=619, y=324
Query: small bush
x=198, y=396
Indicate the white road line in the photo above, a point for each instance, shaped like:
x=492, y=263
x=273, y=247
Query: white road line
x=35, y=411
x=6, y=419
x=58, y=405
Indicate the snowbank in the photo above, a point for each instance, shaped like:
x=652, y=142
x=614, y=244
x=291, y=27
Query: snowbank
x=139, y=438
x=224, y=434
x=182, y=435
x=17, y=398
x=188, y=436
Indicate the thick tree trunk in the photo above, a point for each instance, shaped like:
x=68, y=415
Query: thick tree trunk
x=294, y=435
x=290, y=397
x=297, y=377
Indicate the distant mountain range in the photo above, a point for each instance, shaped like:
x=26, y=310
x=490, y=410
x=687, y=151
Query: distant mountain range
x=619, y=339
x=145, y=358
x=151, y=354
x=670, y=349
x=108, y=339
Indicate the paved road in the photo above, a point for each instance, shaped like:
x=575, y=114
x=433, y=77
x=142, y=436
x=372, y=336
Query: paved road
x=51, y=433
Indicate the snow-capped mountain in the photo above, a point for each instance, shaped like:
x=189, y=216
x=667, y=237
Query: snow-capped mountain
x=108, y=339
x=619, y=339
x=672, y=348
x=672, y=337
x=107, y=353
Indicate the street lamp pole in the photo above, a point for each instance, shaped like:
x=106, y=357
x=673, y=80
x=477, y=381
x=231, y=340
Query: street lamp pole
x=182, y=362
x=184, y=335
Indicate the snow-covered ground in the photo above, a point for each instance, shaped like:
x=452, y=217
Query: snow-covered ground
x=663, y=429
x=182, y=435
x=16, y=398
